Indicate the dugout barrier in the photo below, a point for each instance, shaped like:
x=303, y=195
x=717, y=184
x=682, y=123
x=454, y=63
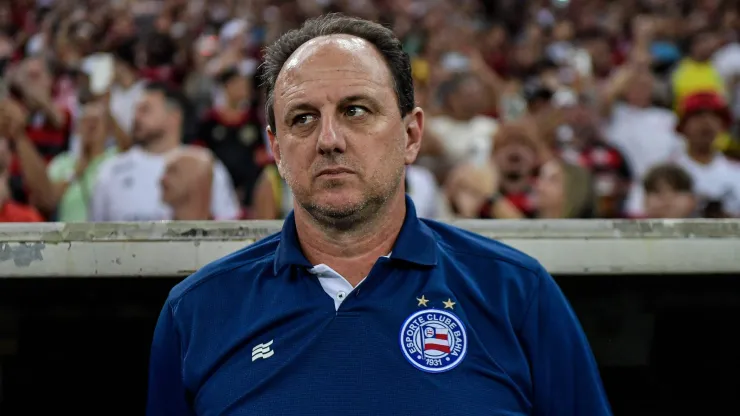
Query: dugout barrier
x=659, y=300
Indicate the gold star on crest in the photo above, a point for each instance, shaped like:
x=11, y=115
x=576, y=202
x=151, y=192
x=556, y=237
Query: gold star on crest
x=422, y=301
x=449, y=304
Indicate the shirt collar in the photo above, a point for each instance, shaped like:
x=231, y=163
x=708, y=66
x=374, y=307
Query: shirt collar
x=415, y=243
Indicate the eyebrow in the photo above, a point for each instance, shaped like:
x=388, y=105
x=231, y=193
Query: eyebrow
x=356, y=98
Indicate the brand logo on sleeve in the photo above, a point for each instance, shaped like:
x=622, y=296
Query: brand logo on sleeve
x=433, y=340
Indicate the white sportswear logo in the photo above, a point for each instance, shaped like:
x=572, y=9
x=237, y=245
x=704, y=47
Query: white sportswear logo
x=262, y=351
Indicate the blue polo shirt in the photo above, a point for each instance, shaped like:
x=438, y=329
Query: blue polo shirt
x=450, y=323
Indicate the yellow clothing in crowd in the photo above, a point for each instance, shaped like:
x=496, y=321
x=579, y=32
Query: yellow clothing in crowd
x=692, y=76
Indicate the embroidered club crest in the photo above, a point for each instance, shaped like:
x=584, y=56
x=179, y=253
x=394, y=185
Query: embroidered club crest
x=433, y=340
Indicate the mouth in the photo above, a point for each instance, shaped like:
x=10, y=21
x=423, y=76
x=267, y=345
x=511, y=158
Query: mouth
x=335, y=172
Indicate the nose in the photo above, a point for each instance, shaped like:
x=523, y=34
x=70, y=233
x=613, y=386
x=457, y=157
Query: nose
x=330, y=139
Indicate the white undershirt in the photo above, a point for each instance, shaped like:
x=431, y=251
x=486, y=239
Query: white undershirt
x=334, y=284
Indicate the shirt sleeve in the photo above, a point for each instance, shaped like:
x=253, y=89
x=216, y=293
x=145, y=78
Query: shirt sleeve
x=566, y=379
x=224, y=204
x=167, y=395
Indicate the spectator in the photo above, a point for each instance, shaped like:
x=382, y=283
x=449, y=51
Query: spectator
x=564, y=191
x=600, y=84
x=233, y=133
x=582, y=144
x=517, y=154
x=128, y=185
x=465, y=133
x=187, y=182
x=696, y=73
x=125, y=92
x=669, y=193
x=11, y=211
x=716, y=180
x=71, y=176
x=46, y=126
x=474, y=192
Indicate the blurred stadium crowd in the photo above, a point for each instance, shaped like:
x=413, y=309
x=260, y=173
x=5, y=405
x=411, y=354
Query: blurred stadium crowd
x=138, y=110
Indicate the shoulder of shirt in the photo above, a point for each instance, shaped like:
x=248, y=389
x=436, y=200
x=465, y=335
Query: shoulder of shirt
x=255, y=257
x=113, y=159
x=463, y=243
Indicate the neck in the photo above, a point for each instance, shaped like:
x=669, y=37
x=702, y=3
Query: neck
x=702, y=156
x=195, y=210
x=551, y=212
x=95, y=149
x=233, y=105
x=352, y=253
x=126, y=80
x=162, y=144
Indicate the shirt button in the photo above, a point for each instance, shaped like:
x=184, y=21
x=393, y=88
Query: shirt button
x=341, y=295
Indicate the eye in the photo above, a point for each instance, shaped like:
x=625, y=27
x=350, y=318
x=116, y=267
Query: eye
x=355, y=111
x=303, y=119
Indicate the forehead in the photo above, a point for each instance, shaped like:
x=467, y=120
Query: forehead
x=332, y=59
x=151, y=97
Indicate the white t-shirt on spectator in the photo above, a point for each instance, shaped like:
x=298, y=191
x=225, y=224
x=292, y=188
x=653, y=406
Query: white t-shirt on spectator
x=716, y=181
x=128, y=189
x=646, y=136
x=465, y=141
x=424, y=191
x=727, y=62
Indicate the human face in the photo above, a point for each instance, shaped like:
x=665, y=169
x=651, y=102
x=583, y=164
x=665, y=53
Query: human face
x=550, y=189
x=237, y=89
x=701, y=129
x=150, y=119
x=666, y=202
x=340, y=141
x=91, y=126
x=36, y=74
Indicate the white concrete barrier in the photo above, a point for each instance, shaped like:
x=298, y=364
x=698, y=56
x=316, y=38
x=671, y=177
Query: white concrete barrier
x=171, y=249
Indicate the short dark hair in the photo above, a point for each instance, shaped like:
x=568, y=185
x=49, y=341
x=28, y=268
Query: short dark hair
x=451, y=85
x=227, y=75
x=172, y=97
x=125, y=51
x=382, y=38
x=669, y=174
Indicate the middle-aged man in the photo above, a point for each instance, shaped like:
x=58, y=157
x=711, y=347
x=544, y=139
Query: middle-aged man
x=357, y=306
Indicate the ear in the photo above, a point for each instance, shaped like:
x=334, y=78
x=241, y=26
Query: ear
x=414, y=124
x=275, y=149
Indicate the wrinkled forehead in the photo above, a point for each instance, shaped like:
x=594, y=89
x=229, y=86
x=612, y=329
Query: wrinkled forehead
x=333, y=57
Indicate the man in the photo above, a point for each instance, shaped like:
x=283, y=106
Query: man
x=234, y=134
x=11, y=211
x=696, y=72
x=63, y=188
x=357, y=306
x=702, y=117
x=187, y=183
x=47, y=126
x=128, y=185
x=583, y=145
